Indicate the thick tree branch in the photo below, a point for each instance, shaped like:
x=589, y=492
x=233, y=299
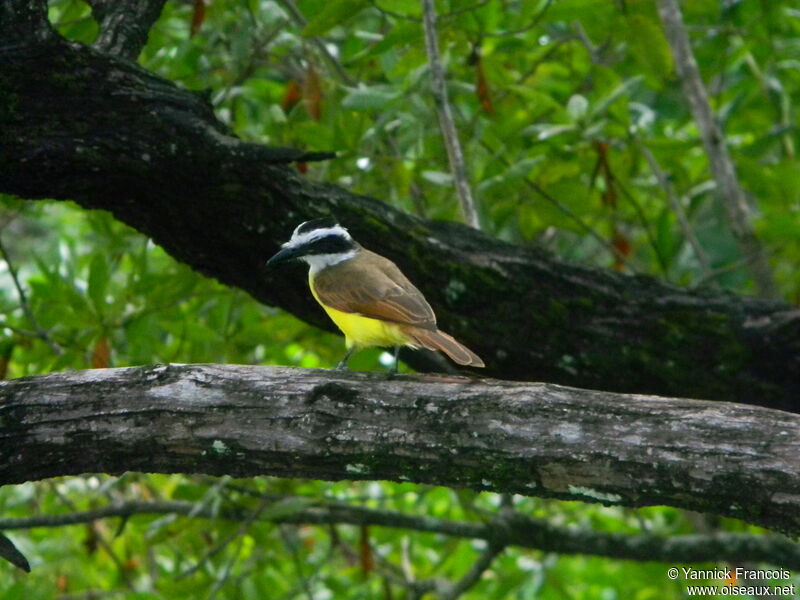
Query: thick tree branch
x=533, y=439
x=124, y=26
x=23, y=22
x=722, y=167
x=107, y=134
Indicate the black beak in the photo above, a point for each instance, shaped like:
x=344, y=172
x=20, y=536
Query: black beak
x=284, y=255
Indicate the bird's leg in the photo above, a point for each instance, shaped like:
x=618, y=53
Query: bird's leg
x=393, y=370
x=342, y=366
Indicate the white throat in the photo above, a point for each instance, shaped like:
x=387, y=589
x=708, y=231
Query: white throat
x=318, y=262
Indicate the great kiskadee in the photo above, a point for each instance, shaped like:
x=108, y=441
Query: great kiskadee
x=366, y=295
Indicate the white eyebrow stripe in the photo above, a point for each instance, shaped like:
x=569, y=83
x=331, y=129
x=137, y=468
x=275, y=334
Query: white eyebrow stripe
x=310, y=236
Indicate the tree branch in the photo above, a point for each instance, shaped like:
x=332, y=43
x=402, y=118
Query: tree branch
x=474, y=574
x=23, y=23
x=532, y=439
x=722, y=167
x=336, y=67
x=675, y=205
x=525, y=532
x=449, y=133
x=107, y=134
x=9, y=552
x=124, y=26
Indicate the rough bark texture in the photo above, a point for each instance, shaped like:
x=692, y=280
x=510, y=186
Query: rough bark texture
x=533, y=439
x=82, y=125
x=124, y=26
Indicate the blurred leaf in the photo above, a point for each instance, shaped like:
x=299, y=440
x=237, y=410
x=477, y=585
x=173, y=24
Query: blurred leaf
x=334, y=13
x=602, y=105
x=546, y=131
x=650, y=48
x=198, y=15
x=482, y=86
x=98, y=281
x=291, y=96
x=312, y=92
x=370, y=98
x=577, y=107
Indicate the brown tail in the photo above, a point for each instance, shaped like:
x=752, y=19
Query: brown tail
x=439, y=340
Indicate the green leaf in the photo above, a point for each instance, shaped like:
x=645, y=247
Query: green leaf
x=650, y=49
x=546, y=130
x=600, y=106
x=664, y=238
x=370, y=98
x=410, y=8
x=286, y=507
x=334, y=13
x=438, y=177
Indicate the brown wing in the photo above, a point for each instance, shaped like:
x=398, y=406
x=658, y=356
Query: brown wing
x=373, y=286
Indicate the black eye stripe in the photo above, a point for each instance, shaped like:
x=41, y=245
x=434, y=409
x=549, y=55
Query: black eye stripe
x=330, y=244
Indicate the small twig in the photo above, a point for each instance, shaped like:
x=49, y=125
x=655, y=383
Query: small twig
x=584, y=39
x=406, y=565
x=446, y=124
x=466, y=9
x=712, y=275
x=722, y=167
x=246, y=523
x=226, y=574
x=330, y=58
x=776, y=98
x=524, y=29
x=476, y=571
x=26, y=309
x=561, y=207
x=18, y=330
x=572, y=215
x=675, y=205
x=101, y=540
x=291, y=544
x=646, y=227
x=393, y=14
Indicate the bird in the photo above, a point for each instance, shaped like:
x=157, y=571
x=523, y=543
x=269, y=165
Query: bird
x=366, y=295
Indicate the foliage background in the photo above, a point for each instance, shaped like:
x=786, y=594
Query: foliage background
x=557, y=104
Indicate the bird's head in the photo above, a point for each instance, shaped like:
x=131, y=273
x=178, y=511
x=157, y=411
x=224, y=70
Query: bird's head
x=319, y=242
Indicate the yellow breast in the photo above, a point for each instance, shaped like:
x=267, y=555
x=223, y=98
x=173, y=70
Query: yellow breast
x=360, y=331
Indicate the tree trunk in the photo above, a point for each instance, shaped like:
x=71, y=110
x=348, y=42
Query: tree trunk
x=82, y=125
x=533, y=439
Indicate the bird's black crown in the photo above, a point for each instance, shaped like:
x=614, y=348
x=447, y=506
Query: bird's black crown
x=321, y=223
